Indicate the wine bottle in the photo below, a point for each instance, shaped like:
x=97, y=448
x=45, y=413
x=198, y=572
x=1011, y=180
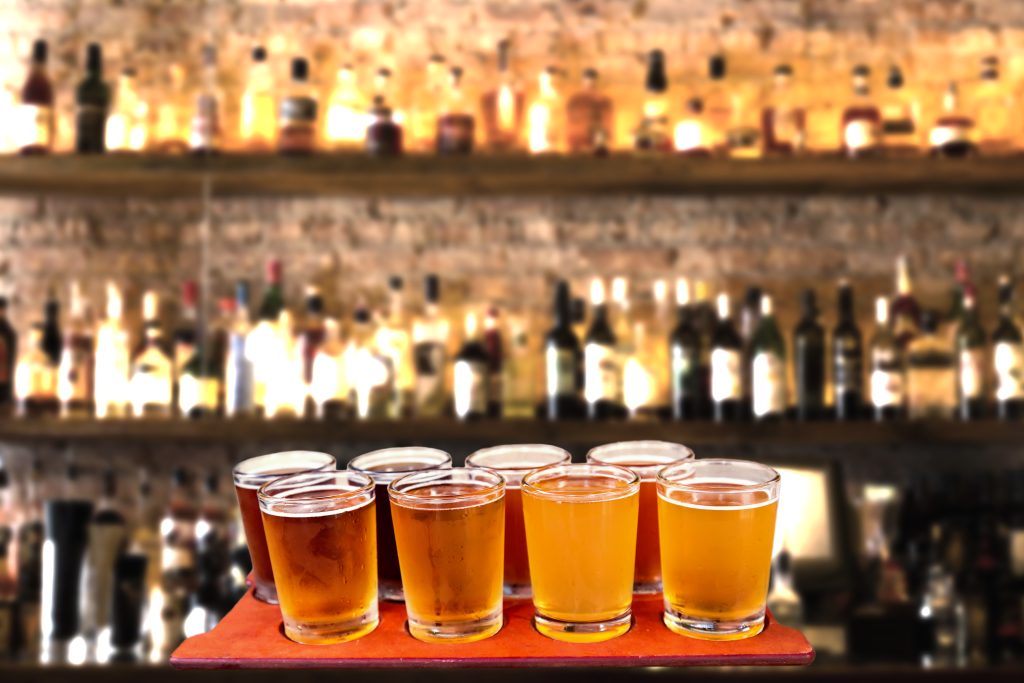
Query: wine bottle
x=847, y=358
x=768, y=366
x=970, y=352
x=602, y=372
x=470, y=370
x=689, y=391
x=887, y=376
x=726, y=362
x=562, y=359
x=809, y=361
x=1008, y=357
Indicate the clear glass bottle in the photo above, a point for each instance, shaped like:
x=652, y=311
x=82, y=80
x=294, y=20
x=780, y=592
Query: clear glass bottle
x=545, y=123
x=995, y=111
x=972, y=351
x=456, y=124
x=590, y=117
x=368, y=371
x=768, y=366
x=395, y=342
x=953, y=133
x=35, y=378
x=783, y=118
x=731, y=111
x=862, y=119
x=297, y=114
x=186, y=334
x=171, y=115
x=35, y=124
x=150, y=389
x=430, y=344
x=1008, y=357
x=654, y=134
x=502, y=108
x=76, y=374
x=257, y=123
x=238, y=370
x=346, y=118
x=329, y=387
x=901, y=116
x=312, y=332
x=931, y=374
x=655, y=352
x=263, y=344
x=692, y=136
x=127, y=125
x=726, y=366
x=113, y=359
x=471, y=395
x=428, y=104
x=205, y=133
x=519, y=369
x=887, y=370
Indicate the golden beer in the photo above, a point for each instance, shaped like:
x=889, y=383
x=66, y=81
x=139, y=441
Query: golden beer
x=322, y=537
x=717, y=522
x=646, y=458
x=581, y=537
x=450, y=533
x=513, y=463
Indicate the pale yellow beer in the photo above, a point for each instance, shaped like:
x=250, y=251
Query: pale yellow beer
x=717, y=526
x=581, y=541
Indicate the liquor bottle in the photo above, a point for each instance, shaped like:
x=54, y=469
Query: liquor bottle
x=691, y=136
x=590, y=117
x=971, y=343
x=1008, y=357
x=171, y=120
x=150, y=389
x=931, y=377
x=385, y=91
x=731, y=113
x=961, y=285
x=328, y=387
x=35, y=378
x=768, y=372
x=312, y=333
x=263, y=343
x=127, y=128
x=345, y=119
x=905, y=313
x=92, y=99
x=204, y=137
x=847, y=358
x=384, y=134
x=602, y=369
x=395, y=342
x=809, y=361
x=656, y=355
x=887, y=374
x=726, y=366
x=297, y=115
x=494, y=345
x=502, y=108
x=862, y=119
x=578, y=311
x=456, y=125
x=750, y=320
x=29, y=563
x=562, y=362
x=67, y=523
x=369, y=372
x=428, y=104
x=654, y=133
x=257, y=122
x=199, y=387
x=36, y=124
x=76, y=375
x=53, y=340
x=995, y=111
x=284, y=388
x=689, y=385
x=953, y=133
x=113, y=365
x=8, y=357
x=108, y=538
x=783, y=118
x=238, y=370
x=186, y=334
x=8, y=587
x=901, y=117
x=470, y=368
x=545, y=125
x=430, y=343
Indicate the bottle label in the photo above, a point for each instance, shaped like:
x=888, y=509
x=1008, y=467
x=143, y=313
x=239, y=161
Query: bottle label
x=560, y=370
x=429, y=358
x=684, y=373
x=298, y=111
x=90, y=124
x=455, y=133
x=947, y=134
x=1009, y=365
x=470, y=388
x=860, y=134
x=602, y=375
x=34, y=126
x=886, y=379
x=725, y=375
x=972, y=364
x=897, y=123
x=205, y=123
x=847, y=366
x=76, y=372
x=768, y=376
x=238, y=390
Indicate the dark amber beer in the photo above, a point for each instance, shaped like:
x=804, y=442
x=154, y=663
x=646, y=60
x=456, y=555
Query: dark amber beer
x=513, y=463
x=646, y=458
x=322, y=539
x=385, y=466
x=249, y=475
x=449, y=526
x=717, y=522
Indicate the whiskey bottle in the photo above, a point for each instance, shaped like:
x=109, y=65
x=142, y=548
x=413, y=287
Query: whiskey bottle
x=545, y=125
x=783, y=119
x=809, y=361
x=257, y=122
x=590, y=117
x=127, y=125
x=862, y=119
x=92, y=100
x=520, y=369
x=329, y=387
x=726, y=366
x=562, y=361
x=470, y=368
x=847, y=358
x=346, y=119
x=971, y=343
x=265, y=347
x=8, y=358
x=887, y=373
x=689, y=385
x=731, y=112
x=953, y=133
x=430, y=343
x=35, y=126
x=186, y=334
x=768, y=373
x=150, y=389
x=171, y=120
x=75, y=375
x=1008, y=357
x=113, y=364
x=931, y=378
x=602, y=369
x=502, y=108
x=456, y=125
x=384, y=134
x=297, y=115
x=655, y=133
x=312, y=332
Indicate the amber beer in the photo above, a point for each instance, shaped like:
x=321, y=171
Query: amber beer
x=581, y=536
x=513, y=463
x=249, y=475
x=646, y=458
x=385, y=466
x=449, y=527
x=322, y=538
x=717, y=521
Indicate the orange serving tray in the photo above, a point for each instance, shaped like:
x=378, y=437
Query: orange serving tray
x=250, y=636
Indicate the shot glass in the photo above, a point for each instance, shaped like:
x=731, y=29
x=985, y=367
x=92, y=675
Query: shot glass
x=385, y=466
x=717, y=523
x=646, y=458
x=513, y=463
x=581, y=537
x=249, y=475
x=450, y=532
x=322, y=537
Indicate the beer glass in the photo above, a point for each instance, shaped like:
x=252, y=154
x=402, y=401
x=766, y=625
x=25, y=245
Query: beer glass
x=512, y=463
x=449, y=528
x=251, y=474
x=581, y=537
x=717, y=523
x=646, y=458
x=322, y=538
x=384, y=466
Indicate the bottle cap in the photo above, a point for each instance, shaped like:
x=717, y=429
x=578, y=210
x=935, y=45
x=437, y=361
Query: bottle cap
x=274, y=271
x=656, y=81
x=361, y=314
x=93, y=57
x=862, y=70
x=590, y=74
x=432, y=288
x=695, y=105
x=396, y=283
x=716, y=67
x=808, y=303
x=259, y=54
x=895, y=79
x=300, y=69
x=784, y=70
x=39, y=52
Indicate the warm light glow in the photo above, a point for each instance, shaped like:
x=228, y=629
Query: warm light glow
x=689, y=136
x=150, y=304
x=637, y=385
x=471, y=325
x=723, y=306
x=882, y=311
x=506, y=108
x=7, y=107
x=347, y=118
x=539, y=123
x=596, y=291
x=619, y=290
x=660, y=291
x=366, y=372
x=802, y=521
x=682, y=291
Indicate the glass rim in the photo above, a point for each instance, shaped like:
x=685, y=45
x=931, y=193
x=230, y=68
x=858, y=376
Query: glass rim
x=299, y=481
x=771, y=480
x=493, y=489
x=624, y=474
x=607, y=454
x=256, y=479
x=482, y=453
x=444, y=461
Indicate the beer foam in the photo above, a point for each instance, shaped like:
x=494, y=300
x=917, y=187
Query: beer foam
x=312, y=503
x=712, y=492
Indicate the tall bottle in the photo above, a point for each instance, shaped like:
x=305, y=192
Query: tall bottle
x=30, y=538
x=545, y=124
x=35, y=378
x=1008, y=357
x=213, y=560
x=430, y=343
x=887, y=371
x=494, y=345
x=590, y=117
x=312, y=333
x=470, y=368
x=427, y=104
x=257, y=123
x=750, y=319
x=783, y=119
x=655, y=131
x=726, y=366
x=905, y=312
x=520, y=368
x=602, y=369
x=502, y=108
x=171, y=117
x=368, y=369
x=847, y=358
x=901, y=117
x=689, y=382
x=809, y=361
x=92, y=100
x=971, y=349
x=297, y=115
x=35, y=129
x=263, y=344
x=53, y=340
x=238, y=370
x=108, y=539
x=456, y=124
x=862, y=119
x=128, y=123
x=329, y=387
x=995, y=111
x=731, y=113
x=8, y=358
x=204, y=137
x=186, y=334
x=178, y=562
x=931, y=377
x=768, y=360
x=151, y=388
x=953, y=133
x=113, y=364
x=562, y=361
x=76, y=374
x=394, y=341
x=8, y=588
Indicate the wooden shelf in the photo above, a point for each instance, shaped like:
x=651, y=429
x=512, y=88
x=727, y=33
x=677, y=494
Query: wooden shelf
x=154, y=177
